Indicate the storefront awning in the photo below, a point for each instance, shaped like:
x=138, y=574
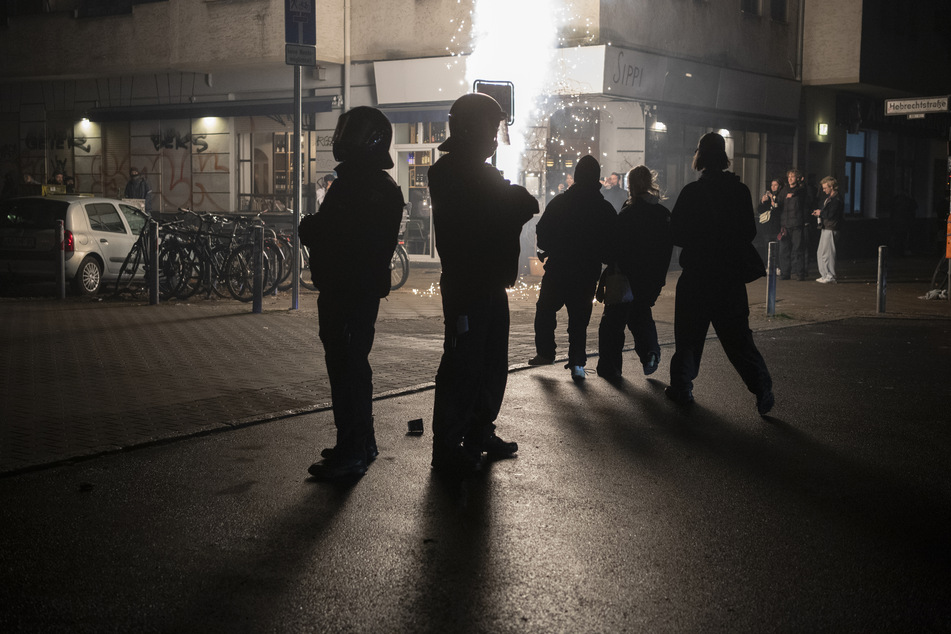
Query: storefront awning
x=242, y=108
x=608, y=71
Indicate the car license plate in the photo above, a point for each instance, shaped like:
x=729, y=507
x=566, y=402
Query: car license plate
x=19, y=242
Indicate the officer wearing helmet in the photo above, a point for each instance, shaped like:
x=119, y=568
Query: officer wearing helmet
x=351, y=240
x=477, y=219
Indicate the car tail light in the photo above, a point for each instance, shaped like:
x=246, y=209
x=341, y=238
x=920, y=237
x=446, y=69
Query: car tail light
x=69, y=245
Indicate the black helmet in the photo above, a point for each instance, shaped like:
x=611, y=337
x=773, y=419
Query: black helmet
x=474, y=122
x=363, y=134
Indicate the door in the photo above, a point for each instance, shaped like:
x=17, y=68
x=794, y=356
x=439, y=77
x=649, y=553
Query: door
x=110, y=234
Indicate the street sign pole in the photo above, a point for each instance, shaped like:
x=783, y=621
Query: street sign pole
x=300, y=49
x=295, y=267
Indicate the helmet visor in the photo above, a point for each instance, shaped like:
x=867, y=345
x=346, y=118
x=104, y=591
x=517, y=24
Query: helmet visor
x=503, y=133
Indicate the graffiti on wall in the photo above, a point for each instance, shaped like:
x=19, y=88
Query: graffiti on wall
x=174, y=140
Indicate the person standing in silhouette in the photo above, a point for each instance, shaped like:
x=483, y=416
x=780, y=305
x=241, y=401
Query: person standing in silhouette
x=641, y=249
x=573, y=236
x=477, y=217
x=351, y=240
x=713, y=223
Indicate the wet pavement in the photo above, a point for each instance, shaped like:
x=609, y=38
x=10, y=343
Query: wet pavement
x=621, y=512
x=86, y=377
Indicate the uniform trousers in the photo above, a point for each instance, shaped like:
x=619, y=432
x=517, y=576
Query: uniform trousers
x=473, y=372
x=703, y=300
x=575, y=295
x=347, y=328
x=637, y=317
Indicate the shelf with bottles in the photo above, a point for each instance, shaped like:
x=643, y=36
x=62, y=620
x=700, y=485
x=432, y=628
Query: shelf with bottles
x=283, y=163
x=428, y=132
x=419, y=163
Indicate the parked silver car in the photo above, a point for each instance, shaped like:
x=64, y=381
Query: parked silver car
x=99, y=233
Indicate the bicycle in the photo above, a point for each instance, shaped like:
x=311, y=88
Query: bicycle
x=399, y=267
x=219, y=261
x=139, y=257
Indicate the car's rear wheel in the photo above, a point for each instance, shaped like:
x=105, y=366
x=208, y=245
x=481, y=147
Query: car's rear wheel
x=89, y=276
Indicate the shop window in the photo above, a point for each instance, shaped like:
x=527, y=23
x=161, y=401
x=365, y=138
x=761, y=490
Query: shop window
x=746, y=158
x=855, y=149
x=266, y=170
x=416, y=145
x=572, y=133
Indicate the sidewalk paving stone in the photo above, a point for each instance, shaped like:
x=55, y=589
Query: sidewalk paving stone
x=98, y=374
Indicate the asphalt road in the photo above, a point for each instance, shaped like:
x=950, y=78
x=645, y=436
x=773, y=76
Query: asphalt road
x=622, y=512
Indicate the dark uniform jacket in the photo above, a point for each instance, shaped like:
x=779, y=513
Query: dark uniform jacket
x=713, y=223
x=478, y=218
x=642, y=245
x=353, y=236
x=574, y=232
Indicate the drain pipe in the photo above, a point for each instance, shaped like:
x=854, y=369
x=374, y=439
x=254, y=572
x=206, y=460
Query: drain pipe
x=346, y=55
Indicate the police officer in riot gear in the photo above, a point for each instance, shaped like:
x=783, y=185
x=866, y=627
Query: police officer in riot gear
x=477, y=217
x=351, y=240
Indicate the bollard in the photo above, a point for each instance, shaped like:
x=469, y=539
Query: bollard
x=153, y=281
x=61, y=259
x=771, y=253
x=257, y=263
x=882, y=277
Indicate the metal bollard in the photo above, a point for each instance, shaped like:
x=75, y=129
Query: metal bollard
x=61, y=259
x=771, y=254
x=153, y=281
x=882, y=286
x=258, y=266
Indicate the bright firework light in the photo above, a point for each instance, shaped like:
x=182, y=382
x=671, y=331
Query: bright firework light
x=516, y=41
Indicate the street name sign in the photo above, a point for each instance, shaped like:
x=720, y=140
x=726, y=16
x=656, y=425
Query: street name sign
x=918, y=105
x=300, y=32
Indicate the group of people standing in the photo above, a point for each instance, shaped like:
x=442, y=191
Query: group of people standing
x=786, y=215
x=353, y=235
x=713, y=224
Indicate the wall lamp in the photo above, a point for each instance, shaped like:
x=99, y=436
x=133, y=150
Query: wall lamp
x=823, y=129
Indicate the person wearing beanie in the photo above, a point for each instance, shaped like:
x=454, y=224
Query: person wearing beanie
x=713, y=224
x=572, y=241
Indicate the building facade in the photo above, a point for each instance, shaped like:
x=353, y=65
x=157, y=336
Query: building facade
x=197, y=95
x=857, y=55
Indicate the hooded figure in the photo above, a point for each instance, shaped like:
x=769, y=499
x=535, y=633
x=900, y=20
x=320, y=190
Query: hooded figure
x=572, y=239
x=477, y=218
x=138, y=187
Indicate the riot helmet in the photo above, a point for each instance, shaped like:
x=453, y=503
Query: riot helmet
x=476, y=120
x=363, y=134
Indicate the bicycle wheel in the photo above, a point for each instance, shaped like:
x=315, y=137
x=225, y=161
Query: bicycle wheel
x=399, y=267
x=939, y=280
x=306, y=279
x=174, y=269
x=129, y=279
x=239, y=273
x=192, y=271
x=277, y=264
